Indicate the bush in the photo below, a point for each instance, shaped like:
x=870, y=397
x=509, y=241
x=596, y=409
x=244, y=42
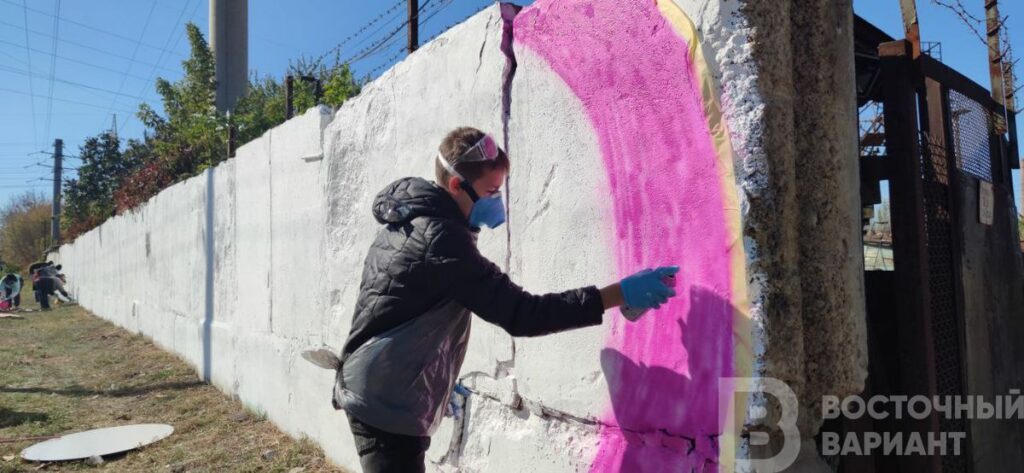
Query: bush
x=24, y=229
x=144, y=182
x=189, y=137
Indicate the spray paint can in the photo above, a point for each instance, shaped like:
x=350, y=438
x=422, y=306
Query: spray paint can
x=632, y=313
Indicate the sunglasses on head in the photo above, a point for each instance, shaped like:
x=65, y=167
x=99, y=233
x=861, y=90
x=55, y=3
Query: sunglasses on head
x=485, y=149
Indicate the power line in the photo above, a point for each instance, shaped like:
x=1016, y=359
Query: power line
x=48, y=153
x=376, y=45
x=89, y=27
x=80, y=45
x=381, y=45
x=63, y=81
x=13, y=57
x=84, y=63
x=53, y=71
x=437, y=10
x=55, y=99
x=31, y=89
x=450, y=26
x=389, y=35
x=444, y=4
x=51, y=166
x=360, y=31
x=391, y=60
x=152, y=73
x=387, y=62
x=135, y=51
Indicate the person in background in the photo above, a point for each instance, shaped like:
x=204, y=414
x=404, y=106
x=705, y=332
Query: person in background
x=58, y=283
x=10, y=290
x=42, y=285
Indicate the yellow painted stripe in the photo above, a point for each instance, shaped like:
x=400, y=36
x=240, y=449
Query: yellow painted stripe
x=742, y=343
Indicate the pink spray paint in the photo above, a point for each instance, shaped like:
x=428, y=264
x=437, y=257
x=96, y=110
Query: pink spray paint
x=631, y=72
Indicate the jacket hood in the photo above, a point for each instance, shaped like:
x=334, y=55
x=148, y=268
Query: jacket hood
x=411, y=197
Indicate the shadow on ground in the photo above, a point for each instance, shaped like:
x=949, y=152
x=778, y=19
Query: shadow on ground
x=76, y=390
x=9, y=418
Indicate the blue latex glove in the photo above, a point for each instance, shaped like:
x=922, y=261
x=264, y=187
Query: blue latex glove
x=646, y=290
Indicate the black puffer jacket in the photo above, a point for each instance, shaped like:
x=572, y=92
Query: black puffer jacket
x=422, y=277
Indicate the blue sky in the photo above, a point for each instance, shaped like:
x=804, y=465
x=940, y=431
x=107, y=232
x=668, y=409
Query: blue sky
x=108, y=53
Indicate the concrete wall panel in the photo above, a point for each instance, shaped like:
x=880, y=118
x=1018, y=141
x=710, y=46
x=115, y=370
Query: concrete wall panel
x=554, y=154
x=296, y=246
x=393, y=130
x=626, y=154
x=252, y=224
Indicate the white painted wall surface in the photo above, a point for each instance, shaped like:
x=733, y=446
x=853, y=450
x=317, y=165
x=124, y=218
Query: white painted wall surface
x=261, y=256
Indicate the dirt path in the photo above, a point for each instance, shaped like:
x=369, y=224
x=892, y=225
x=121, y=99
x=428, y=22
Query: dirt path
x=66, y=371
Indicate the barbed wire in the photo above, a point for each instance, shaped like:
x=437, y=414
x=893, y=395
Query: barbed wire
x=973, y=22
x=360, y=31
x=390, y=37
x=392, y=60
x=387, y=62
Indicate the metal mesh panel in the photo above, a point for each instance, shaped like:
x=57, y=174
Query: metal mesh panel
x=972, y=128
x=942, y=287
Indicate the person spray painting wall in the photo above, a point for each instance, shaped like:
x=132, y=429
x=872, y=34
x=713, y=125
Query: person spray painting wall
x=422, y=277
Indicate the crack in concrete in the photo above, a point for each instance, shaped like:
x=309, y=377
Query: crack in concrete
x=683, y=444
x=503, y=368
x=508, y=14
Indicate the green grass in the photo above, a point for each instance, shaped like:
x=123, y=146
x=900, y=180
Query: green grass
x=67, y=371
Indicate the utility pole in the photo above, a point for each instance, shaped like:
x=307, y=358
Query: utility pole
x=58, y=155
x=414, y=25
x=232, y=136
x=1000, y=71
x=911, y=28
x=998, y=67
x=289, y=97
x=229, y=40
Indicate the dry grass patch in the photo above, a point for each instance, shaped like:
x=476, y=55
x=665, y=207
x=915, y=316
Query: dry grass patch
x=67, y=371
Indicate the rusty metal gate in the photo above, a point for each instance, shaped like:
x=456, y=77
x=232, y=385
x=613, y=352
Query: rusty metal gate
x=947, y=318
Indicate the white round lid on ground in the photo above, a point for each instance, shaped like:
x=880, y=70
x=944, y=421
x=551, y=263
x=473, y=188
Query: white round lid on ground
x=97, y=442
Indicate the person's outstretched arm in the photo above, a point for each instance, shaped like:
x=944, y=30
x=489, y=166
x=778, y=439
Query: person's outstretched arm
x=480, y=286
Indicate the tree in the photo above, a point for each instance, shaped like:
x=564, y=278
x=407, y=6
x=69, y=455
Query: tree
x=24, y=229
x=260, y=109
x=1020, y=227
x=89, y=198
x=336, y=81
x=144, y=182
x=189, y=136
x=192, y=134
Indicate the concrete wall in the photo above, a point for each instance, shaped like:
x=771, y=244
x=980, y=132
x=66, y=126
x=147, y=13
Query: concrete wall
x=993, y=315
x=626, y=153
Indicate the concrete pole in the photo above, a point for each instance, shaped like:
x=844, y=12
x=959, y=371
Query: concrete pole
x=58, y=157
x=229, y=39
